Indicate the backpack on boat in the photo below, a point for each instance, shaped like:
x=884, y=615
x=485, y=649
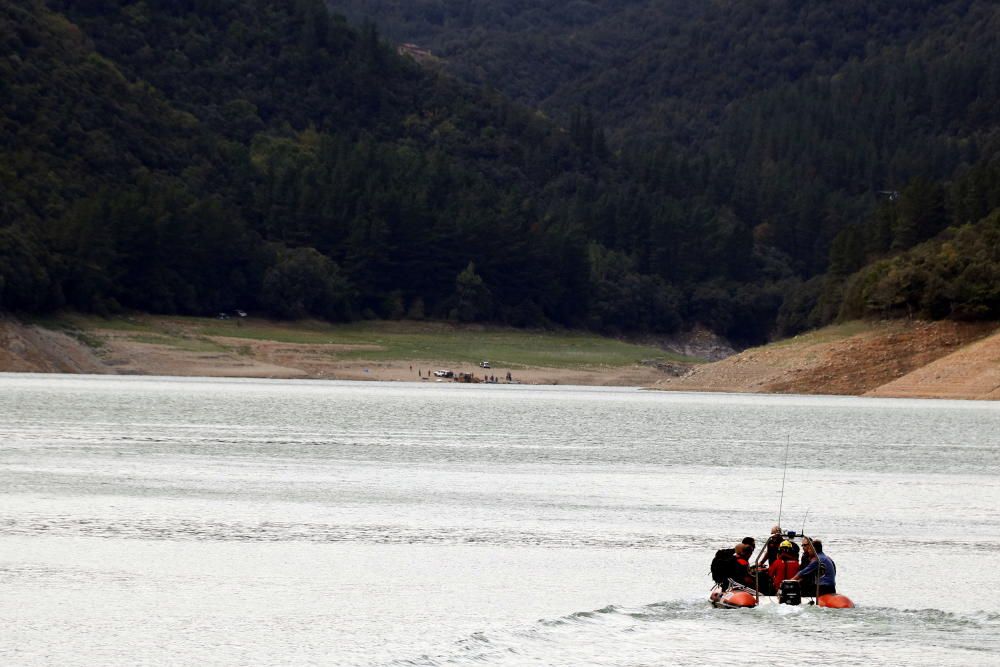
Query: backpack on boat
x=721, y=565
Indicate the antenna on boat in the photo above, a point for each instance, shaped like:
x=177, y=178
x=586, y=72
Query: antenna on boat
x=804, y=522
x=781, y=501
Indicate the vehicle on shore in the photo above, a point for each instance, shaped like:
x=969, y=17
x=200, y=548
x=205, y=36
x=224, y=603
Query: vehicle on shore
x=791, y=591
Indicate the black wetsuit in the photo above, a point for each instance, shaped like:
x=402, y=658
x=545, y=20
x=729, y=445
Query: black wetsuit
x=720, y=565
x=727, y=565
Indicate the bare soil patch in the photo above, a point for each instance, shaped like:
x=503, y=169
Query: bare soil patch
x=851, y=359
x=972, y=371
x=33, y=349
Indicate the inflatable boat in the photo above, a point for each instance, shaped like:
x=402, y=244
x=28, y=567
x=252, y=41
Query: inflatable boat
x=791, y=591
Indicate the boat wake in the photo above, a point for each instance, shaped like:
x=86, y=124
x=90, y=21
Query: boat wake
x=692, y=632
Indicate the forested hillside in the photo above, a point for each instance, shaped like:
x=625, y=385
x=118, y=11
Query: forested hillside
x=672, y=69
x=719, y=163
x=793, y=119
x=196, y=157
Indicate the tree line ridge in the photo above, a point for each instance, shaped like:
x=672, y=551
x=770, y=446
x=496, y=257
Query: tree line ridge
x=195, y=157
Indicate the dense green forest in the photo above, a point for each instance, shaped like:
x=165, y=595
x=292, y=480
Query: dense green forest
x=206, y=156
x=758, y=167
x=798, y=118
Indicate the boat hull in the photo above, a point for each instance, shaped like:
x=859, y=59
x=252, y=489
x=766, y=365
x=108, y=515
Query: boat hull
x=739, y=598
x=732, y=598
x=834, y=601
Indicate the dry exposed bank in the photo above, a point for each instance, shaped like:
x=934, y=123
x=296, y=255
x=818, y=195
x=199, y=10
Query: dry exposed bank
x=898, y=358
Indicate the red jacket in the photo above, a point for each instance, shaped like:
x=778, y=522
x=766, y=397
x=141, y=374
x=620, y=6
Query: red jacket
x=781, y=570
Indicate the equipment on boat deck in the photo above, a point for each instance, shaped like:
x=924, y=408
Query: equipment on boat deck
x=790, y=592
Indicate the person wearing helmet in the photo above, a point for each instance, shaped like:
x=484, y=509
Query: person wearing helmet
x=784, y=566
x=773, y=542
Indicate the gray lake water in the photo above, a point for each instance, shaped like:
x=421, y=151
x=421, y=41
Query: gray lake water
x=250, y=522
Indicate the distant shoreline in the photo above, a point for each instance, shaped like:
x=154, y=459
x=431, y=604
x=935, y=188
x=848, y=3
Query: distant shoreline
x=896, y=358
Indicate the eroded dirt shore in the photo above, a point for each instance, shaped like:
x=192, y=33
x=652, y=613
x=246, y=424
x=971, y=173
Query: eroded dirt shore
x=899, y=358
x=890, y=359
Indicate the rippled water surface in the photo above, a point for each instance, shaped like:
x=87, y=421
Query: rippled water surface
x=177, y=521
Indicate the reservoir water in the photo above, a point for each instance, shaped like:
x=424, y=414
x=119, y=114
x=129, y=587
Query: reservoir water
x=161, y=521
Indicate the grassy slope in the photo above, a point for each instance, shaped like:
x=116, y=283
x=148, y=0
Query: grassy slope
x=379, y=341
x=827, y=334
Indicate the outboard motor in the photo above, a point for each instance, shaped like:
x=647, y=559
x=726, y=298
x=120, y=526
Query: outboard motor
x=790, y=593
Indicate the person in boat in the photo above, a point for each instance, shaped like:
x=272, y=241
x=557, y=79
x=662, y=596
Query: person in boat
x=784, y=566
x=821, y=569
x=734, y=564
x=739, y=567
x=773, y=544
